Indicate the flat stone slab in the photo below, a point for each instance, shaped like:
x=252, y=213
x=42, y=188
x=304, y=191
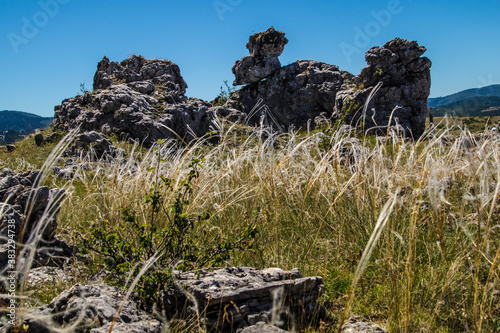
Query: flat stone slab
x=248, y=296
x=359, y=325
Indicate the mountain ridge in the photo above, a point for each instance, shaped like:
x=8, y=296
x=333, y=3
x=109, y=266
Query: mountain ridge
x=488, y=91
x=15, y=125
x=484, y=101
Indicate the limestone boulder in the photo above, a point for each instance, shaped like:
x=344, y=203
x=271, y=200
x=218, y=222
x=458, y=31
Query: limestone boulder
x=293, y=95
x=269, y=43
x=93, y=308
x=143, y=75
x=393, y=87
x=123, y=111
x=29, y=216
x=250, y=296
x=250, y=69
x=264, y=48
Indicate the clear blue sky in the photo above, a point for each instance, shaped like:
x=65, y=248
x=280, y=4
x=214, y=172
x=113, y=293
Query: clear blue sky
x=49, y=47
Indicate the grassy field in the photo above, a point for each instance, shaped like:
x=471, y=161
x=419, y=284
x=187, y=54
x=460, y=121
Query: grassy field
x=473, y=124
x=405, y=234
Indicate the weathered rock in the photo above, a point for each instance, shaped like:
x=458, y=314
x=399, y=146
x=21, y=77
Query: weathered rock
x=10, y=148
x=139, y=99
x=130, y=114
x=67, y=173
x=93, y=306
x=293, y=95
x=33, y=208
x=402, y=99
x=264, y=47
x=249, y=296
x=38, y=139
x=262, y=327
x=6, y=172
x=52, y=137
x=95, y=146
x=269, y=43
x=46, y=274
x=143, y=326
x=358, y=325
x=251, y=69
x=163, y=75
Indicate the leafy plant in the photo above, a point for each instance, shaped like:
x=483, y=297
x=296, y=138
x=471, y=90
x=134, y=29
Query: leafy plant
x=83, y=89
x=224, y=94
x=349, y=107
x=166, y=232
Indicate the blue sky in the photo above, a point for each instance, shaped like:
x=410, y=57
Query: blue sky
x=49, y=47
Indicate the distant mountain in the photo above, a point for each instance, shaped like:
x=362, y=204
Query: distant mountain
x=471, y=102
x=14, y=125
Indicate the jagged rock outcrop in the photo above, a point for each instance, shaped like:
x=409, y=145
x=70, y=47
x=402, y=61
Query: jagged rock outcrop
x=402, y=98
x=142, y=75
x=304, y=90
x=145, y=99
x=265, y=48
x=293, y=95
x=123, y=111
x=249, y=296
x=139, y=99
x=29, y=210
x=93, y=307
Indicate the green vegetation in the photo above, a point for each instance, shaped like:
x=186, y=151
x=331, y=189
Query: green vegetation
x=429, y=210
x=150, y=245
x=224, y=95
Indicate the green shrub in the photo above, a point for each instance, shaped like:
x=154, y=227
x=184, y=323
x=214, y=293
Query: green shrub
x=224, y=95
x=168, y=234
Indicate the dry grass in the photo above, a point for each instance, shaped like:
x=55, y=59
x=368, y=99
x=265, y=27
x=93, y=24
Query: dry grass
x=428, y=210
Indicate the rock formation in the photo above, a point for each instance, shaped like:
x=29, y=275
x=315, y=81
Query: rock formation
x=144, y=76
x=293, y=95
x=304, y=90
x=265, y=48
x=139, y=99
x=31, y=208
x=145, y=99
x=402, y=98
